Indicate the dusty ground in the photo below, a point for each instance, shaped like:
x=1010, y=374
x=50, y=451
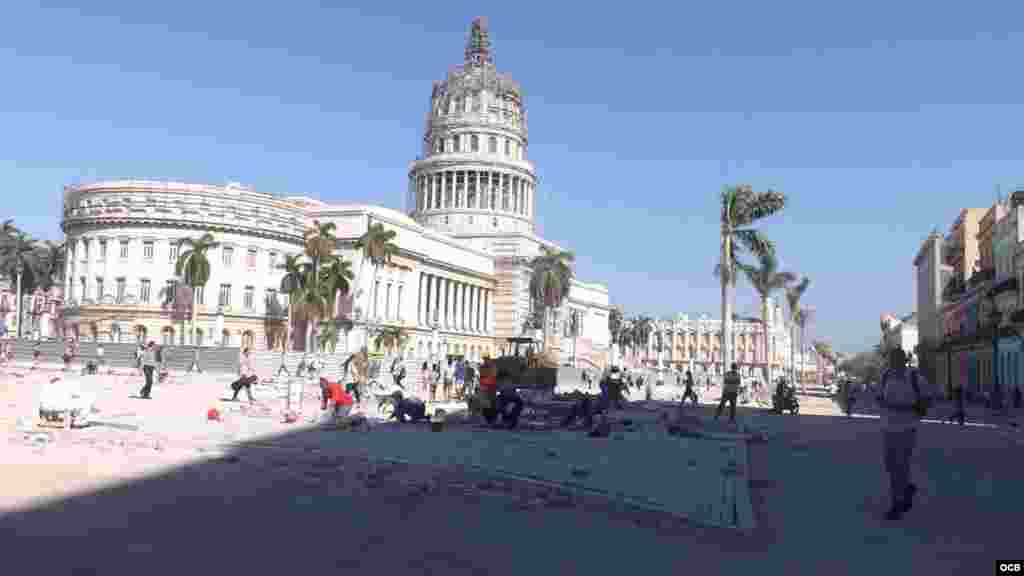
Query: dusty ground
x=173, y=497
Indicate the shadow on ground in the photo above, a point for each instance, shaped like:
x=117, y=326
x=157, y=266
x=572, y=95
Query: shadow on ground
x=287, y=505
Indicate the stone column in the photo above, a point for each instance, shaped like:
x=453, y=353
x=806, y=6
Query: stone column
x=444, y=302
x=487, y=315
x=68, y=261
x=479, y=310
x=472, y=308
x=456, y=304
x=464, y=307
x=435, y=297
x=419, y=301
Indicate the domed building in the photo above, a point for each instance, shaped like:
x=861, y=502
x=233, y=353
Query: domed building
x=458, y=285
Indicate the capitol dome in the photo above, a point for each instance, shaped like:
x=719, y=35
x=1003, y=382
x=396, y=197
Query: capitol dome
x=473, y=176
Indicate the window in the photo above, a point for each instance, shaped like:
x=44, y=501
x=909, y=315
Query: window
x=99, y=288
x=387, y=302
x=144, y=291
x=199, y=337
x=227, y=254
x=169, y=289
x=456, y=143
x=82, y=282
x=103, y=249
x=200, y=294
x=121, y=286
x=147, y=251
x=172, y=255
x=247, y=299
x=474, y=143
x=124, y=248
x=85, y=250
x=168, y=336
x=438, y=146
x=270, y=300
x=272, y=262
x=250, y=259
x=224, y=298
x=492, y=145
x=508, y=147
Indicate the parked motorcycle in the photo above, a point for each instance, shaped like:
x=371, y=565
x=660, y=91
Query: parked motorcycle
x=784, y=399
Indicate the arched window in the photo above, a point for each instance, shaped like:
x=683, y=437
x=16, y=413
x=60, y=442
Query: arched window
x=140, y=334
x=474, y=143
x=457, y=143
x=225, y=338
x=492, y=145
x=168, y=336
x=438, y=145
x=248, y=339
x=508, y=147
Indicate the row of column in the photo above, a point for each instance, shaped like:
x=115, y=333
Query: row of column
x=483, y=190
x=453, y=305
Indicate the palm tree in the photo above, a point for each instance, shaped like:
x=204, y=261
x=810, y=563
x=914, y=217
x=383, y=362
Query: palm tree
x=390, y=337
x=378, y=247
x=320, y=241
x=193, y=267
x=550, y=279
x=793, y=295
x=804, y=317
x=329, y=334
x=335, y=278
x=50, y=264
x=766, y=279
x=18, y=259
x=741, y=207
x=292, y=284
x=643, y=327
x=615, y=326
x=825, y=351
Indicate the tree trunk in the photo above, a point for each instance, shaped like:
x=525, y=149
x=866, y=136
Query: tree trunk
x=726, y=302
x=801, y=358
x=767, y=348
x=17, y=309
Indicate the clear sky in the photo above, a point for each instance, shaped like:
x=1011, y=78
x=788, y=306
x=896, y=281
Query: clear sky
x=879, y=120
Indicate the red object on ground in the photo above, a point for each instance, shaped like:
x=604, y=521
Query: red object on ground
x=213, y=414
x=488, y=384
x=339, y=396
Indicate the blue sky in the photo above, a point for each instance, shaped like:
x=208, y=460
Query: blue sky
x=879, y=120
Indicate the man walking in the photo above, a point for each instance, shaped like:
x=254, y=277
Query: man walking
x=730, y=390
x=904, y=396
x=689, y=391
x=149, y=364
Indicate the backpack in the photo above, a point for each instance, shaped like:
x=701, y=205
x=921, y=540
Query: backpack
x=920, y=407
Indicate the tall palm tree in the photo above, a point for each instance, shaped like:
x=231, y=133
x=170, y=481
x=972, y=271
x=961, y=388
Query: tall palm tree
x=615, y=326
x=766, y=279
x=550, y=279
x=193, y=267
x=18, y=259
x=804, y=317
x=335, y=278
x=793, y=295
x=825, y=351
x=741, y=208
x=390, y=337
x=320, y=241
x=292, y=283
x=643, y=328
x=378, y=247
x=50, y=264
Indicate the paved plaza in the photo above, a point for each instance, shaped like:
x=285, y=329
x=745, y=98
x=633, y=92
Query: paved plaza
x=153, y=478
